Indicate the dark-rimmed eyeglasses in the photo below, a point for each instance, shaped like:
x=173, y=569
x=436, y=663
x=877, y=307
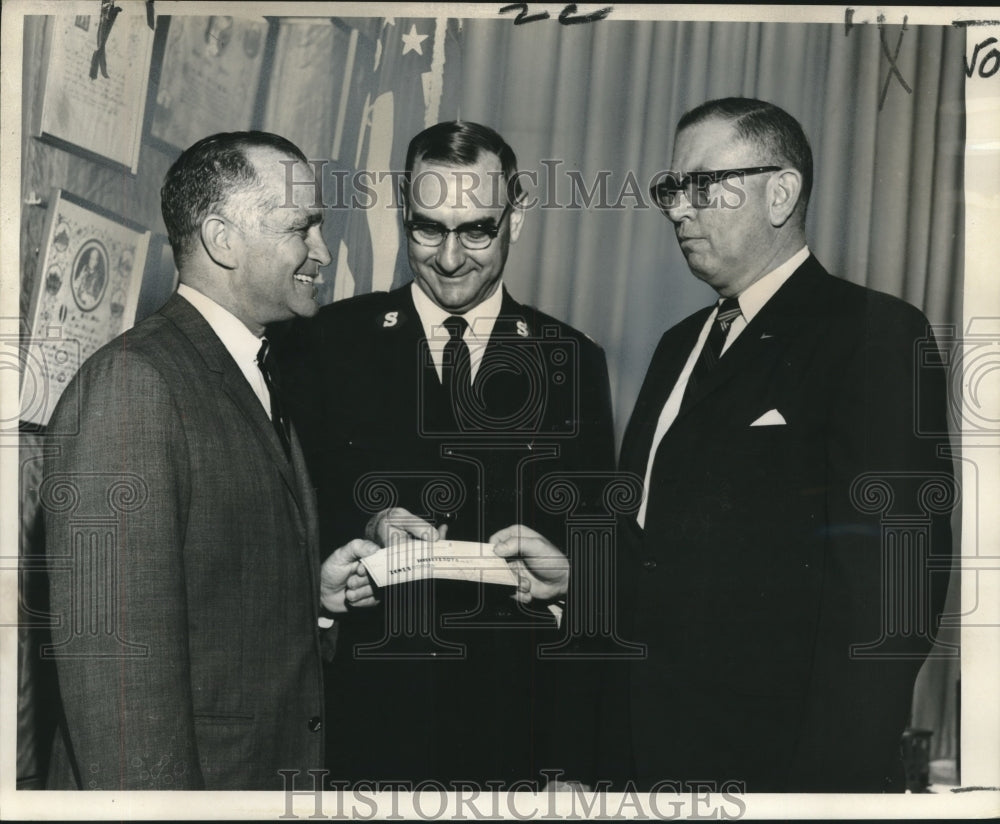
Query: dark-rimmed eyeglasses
x=476, y=235
x=666, y=192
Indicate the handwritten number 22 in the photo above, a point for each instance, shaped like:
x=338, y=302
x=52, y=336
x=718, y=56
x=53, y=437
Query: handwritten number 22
x=566, y=16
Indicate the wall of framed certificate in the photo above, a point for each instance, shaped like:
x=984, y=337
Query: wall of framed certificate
x=96, y=110
x=86, y=293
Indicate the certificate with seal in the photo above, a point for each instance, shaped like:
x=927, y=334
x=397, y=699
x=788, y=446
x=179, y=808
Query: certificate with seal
x=85, y=294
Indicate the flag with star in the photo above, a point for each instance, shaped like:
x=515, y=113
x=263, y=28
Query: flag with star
x=409, y=76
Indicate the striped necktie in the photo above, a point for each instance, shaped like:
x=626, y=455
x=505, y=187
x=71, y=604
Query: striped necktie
x=266, y=364
x=710, y=353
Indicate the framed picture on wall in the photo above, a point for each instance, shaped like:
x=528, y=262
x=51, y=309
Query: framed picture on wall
x=327, y=59
x=86, y=292
x=96, y=77
x=209, y=77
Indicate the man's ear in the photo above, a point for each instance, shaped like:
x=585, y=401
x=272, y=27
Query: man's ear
x=784, y=190
x=404, y=191
x=516, y=222
x=220, y=240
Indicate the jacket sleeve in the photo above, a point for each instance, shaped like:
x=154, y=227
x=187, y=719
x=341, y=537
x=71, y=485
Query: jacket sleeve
x=573, y=680
x=115, y=497
x=596, y=418
x=888, y=501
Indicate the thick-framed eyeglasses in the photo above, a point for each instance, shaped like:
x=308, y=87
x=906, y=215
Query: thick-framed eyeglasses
x=477, y=235
x=667, y=191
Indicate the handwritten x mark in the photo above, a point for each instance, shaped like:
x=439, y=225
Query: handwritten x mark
x=893, y=68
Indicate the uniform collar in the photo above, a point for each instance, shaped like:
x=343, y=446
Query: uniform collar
x=481, y=318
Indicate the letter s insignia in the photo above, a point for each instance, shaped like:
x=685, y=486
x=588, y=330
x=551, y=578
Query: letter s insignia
x=522, y=329
x=391, y=319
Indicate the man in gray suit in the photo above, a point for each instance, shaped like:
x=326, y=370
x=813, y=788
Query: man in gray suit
x=181, y=524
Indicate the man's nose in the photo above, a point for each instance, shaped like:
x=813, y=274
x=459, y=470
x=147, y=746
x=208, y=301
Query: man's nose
x=451, y=253
x=318, y=250
x=681, y=207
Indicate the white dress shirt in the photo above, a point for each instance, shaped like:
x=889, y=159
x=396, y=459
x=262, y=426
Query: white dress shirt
x=239, y=341
x=243, y=345
x=751, y=301
x=481, y=320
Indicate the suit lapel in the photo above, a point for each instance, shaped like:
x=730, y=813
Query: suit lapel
x=511, y=325
x=402, y=359
x=232, y=381
x=664, y=369
x=765, y=337
x=516, y=359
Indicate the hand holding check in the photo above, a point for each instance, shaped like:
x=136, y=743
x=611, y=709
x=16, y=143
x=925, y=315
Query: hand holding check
x=344, y=580
x=541, y=567
x=419, y=550
x=397, y=524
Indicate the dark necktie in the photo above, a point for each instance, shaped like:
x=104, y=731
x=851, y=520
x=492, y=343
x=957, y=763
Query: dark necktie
x=456, y=368
x=710, y=353
x=268, y=368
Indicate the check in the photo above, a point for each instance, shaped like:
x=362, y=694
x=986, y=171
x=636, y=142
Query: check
x=414, y=560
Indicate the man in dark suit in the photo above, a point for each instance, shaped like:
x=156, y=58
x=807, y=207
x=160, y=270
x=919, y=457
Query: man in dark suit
x=181, y=526
x=785, y=624
x=448, y=402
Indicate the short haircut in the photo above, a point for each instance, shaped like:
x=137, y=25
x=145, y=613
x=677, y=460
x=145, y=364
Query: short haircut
x=462, y=143
x=772, y=130
x=205, y=178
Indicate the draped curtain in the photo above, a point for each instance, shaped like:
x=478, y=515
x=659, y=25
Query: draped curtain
x=886, y=209
x=591, y=110
x=582, y=105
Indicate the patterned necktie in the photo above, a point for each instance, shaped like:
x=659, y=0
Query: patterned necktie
x=456, y=368
x=710, y=353
x=268, y=368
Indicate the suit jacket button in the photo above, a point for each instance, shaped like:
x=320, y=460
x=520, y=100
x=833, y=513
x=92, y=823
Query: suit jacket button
x=649, y=564
x=315, y=724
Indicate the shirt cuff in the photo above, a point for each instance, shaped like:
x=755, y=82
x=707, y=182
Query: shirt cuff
x=326, y=618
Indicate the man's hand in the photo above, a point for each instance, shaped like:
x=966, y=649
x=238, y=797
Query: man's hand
x=343, y=579
x=397, y=524
x=541, y=568
x=567, y=787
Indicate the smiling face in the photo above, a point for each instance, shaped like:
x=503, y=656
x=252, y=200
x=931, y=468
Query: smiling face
x=728, y=248
x=454, y=277
x=282, y=246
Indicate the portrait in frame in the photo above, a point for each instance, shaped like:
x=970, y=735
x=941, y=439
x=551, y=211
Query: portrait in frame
x=89, y=278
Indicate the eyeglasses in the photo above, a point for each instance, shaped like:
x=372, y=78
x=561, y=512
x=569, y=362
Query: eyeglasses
x=476, y=235
x=666, y=193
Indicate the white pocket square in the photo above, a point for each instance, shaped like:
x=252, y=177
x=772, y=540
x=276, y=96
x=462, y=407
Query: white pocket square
x=770, y=418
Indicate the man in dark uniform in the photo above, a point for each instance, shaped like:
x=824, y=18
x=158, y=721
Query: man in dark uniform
x=449, y=401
